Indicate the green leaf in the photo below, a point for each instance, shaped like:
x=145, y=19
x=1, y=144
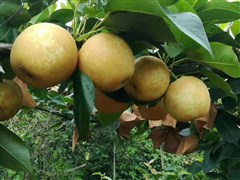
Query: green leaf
x=62, y=15
x=167, y=3
x=215, y=12
x=227, y=127
x=14, y=152
x=83, y=103
x=235, y=28
x=107, y=119
x=229, y=151
x=181, y=6
x=14, y=12
x=224, y=59
x=216, y=34
x=172, y=49
x=140, y=26
x=220, y=83
x=184, y=26
x=199, y=4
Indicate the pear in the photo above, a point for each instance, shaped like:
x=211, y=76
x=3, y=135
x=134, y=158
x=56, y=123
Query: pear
x=44, y=55
x=11, y=99
x=187, y=99
x=107, y=60
x=150, y=79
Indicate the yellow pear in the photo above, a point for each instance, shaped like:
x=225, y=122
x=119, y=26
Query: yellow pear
x=150, y=79
x=11, y=99
x=105, y=104
x=187, y=98
x=107, y=60
x=156, y=112
x=44, y=55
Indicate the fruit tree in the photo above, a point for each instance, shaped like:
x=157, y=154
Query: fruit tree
x=171, y=66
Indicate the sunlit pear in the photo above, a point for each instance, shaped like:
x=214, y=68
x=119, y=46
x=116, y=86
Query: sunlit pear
x=150, y=80
x=187, y=98
x=44, y=55
x=107, y=60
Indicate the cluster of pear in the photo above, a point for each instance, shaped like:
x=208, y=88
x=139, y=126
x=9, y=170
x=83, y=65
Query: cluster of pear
x=45, y=54
x=146, y=79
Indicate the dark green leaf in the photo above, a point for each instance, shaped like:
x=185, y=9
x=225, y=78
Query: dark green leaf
x=83, y=103
x=107, y=119
x=215, y=12
x=172, y=49
x=229, y=103
x=229, y=151
x=220, y=83
x=183, y=25
x=62, y=15
x=13, y=151
x=195, y=167
x=167, y=3
x=224, y=59
x=143, y=25
x=216, y=34
x=227, y=127
x=14, y=13
x=199, y=4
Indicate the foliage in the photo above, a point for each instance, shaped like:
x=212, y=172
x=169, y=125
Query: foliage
x=199, y=38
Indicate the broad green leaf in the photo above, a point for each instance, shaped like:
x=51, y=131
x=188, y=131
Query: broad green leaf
x=229, y=151
x=181, y=6
x=227, y=127
x=220, y=83
x=199, y=4
x=14, y=12
x=219, y=12
x=62, y=15
x=216, y=34
x=107, y=119
x=224, y=59
x=209, y=161
x=167, y=3
x=172, y=49
x=183, y=25
x=217, y=93
x=83, y=103
x=235, y=28
x=14, y=152
x=140, y=26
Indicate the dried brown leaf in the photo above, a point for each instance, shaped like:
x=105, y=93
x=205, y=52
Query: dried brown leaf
x=187, y=145
x=28, y=101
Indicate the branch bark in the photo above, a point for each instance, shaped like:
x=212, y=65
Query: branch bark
x=5, y=46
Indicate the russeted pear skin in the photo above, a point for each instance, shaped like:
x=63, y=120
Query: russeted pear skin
x=150, y=79
x=187, y=98
x=44, y=55
x=11, y=99
x=107, y=60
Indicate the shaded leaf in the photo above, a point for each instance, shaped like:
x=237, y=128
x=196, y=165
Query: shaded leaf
x=108, y=118
x=224, y=59
x=187, y=25
x=13, y=151
x=219, y=12
x=62, y=15
x=83, y=103
x=229, y=151
x=227, y=127
x=220, y=83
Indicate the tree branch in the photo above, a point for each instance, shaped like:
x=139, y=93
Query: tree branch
x=5, y=46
